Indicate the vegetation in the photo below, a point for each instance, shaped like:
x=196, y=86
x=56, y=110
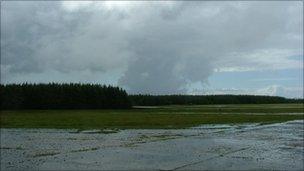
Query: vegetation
x=163, y=117
x=62, y=96
x=94, y=96
x=156, y=100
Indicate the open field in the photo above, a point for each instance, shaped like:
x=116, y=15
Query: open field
x=160, y=117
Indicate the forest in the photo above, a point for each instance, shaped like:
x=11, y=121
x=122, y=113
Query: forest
x=156, y=100
x=95, y=96
x=63, y=96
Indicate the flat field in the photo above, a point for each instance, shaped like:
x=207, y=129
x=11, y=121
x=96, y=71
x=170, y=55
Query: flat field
x=165, y=117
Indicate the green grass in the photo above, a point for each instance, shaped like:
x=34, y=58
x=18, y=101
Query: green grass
x=163, y=117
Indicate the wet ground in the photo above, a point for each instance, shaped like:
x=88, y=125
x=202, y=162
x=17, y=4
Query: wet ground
x=219, y=147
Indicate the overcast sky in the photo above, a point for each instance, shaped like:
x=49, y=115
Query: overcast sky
x=157, y=47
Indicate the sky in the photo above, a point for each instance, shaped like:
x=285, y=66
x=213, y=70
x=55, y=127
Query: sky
x=170, y=47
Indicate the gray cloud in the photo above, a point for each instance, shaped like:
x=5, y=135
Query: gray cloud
x=146, y=47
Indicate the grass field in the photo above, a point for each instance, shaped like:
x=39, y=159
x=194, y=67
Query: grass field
x=159, y=117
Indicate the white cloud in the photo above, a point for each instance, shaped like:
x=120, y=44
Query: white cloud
x=294, y=92
x=264, y=59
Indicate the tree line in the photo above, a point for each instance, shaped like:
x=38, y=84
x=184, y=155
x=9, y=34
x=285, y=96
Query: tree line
x=63, y=96
x=156, y=100
x=95, y=96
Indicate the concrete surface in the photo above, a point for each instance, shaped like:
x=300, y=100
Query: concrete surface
x=219, y=147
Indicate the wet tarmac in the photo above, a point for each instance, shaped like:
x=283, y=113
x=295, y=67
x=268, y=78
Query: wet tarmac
x=208, y=147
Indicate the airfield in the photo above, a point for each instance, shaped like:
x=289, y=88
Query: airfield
x=239, y=145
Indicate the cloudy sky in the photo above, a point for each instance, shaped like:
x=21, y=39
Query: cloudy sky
x=157, y=47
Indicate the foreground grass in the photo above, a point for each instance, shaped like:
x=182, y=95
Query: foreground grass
x=164, y=117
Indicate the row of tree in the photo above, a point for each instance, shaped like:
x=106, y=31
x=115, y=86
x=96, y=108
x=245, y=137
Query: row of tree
x=93, y=96
x=155, y=100
x=63, y=96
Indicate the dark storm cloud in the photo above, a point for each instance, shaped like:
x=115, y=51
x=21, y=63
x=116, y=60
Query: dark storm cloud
x=147, y=47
